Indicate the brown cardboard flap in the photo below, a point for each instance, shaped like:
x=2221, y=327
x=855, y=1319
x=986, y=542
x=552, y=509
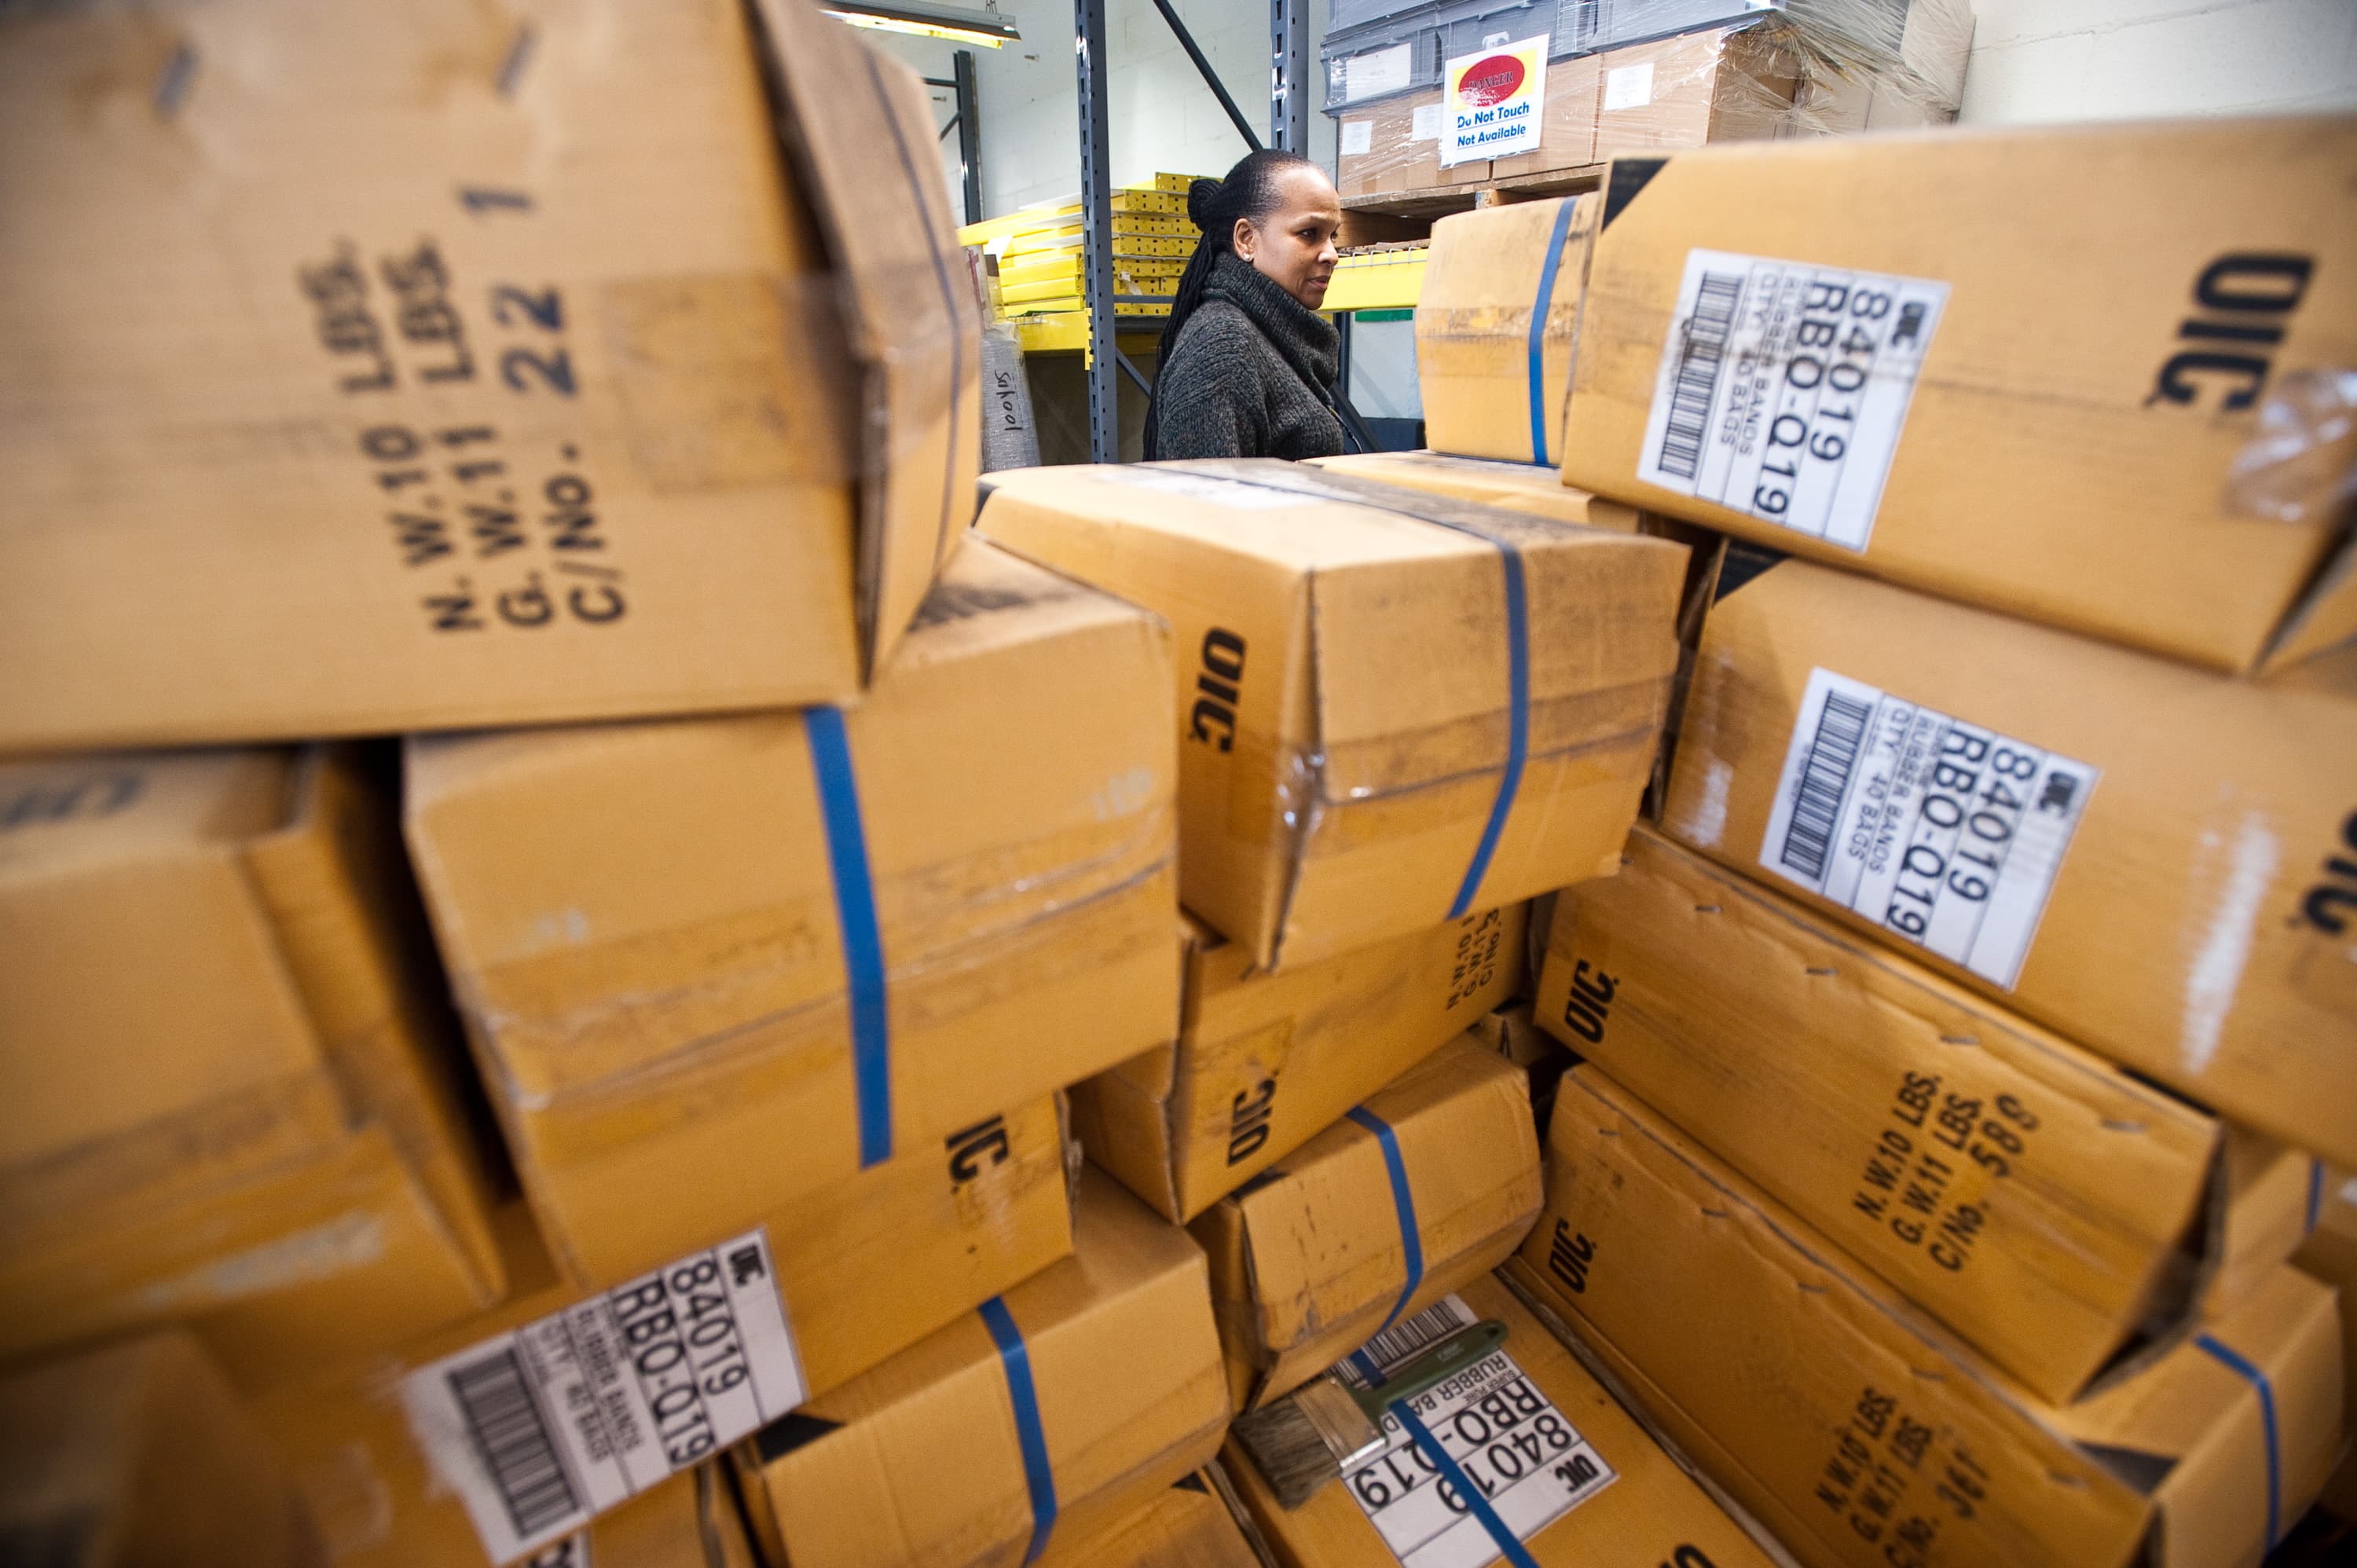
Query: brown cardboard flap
x=913, y=323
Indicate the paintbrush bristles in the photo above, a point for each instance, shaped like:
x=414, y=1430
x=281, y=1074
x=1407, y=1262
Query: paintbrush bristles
x=1287, y=1448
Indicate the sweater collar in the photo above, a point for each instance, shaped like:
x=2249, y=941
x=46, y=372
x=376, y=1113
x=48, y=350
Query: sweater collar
x=1308, y=340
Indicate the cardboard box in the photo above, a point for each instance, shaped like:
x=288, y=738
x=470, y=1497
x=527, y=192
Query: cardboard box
x=1059, y=1408
x=813, y=1296
x=1264, y=1062
x=712, y=965
x=1858, y=1431
x=2328, y=1253
x=138, y=1455
x=1427, y=1185
x=563, y=387
x=1729, y=84
x=1566, y=1470
x=1396, y=709
x=235, y=1093
x=2274, y=1193
x=1517, y=486
x=2173, y=904
x=1187, y=1525
x=1392, y=147
x=2159, y=471
x=1567, y=123
x=1496, y=322
x=2051, y=1209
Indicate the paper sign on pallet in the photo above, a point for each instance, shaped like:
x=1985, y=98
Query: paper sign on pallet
x=1493, y=101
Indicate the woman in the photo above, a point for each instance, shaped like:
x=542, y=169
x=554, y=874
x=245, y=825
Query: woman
x=1247, y=362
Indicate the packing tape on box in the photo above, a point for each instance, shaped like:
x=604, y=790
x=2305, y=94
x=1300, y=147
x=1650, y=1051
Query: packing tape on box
x=1433, y=511
x=1403, y=1204
x=1038, y=1478
x=2252, y=1373
x=863, y=943
x=1548, y=268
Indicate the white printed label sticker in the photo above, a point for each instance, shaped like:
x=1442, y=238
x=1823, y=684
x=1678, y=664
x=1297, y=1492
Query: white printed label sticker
x=1382, y=71
x=1357, y=137
x=1235, y=494
x=541, y=1428
x=1425, y=122
x=1783, y=387
x=1629, y=86
x=1946, y=834
x=1509, y=1439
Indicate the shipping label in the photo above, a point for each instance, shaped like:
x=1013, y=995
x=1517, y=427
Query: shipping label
x=1783, y=387
x=1529, y=1463
x=541, y=1428
x=1943, y=832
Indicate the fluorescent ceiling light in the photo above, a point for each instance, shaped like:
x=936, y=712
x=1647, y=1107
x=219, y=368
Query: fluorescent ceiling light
x=918, y=19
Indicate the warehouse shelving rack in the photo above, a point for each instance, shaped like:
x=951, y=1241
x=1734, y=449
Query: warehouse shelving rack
x=1288, y=128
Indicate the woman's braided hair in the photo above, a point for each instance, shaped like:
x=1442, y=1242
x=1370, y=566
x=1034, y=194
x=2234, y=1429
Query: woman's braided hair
x=1249, y=191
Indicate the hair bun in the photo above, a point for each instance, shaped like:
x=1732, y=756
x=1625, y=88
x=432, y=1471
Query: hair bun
x=1200, y=197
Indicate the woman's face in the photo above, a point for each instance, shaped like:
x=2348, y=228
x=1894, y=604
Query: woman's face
x=1295, y=244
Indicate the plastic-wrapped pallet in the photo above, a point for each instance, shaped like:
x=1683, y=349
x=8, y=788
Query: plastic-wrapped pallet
x=1634, y=77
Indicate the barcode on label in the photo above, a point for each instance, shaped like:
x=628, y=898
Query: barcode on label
x=1824, y=780
x=1695, y=386
x=1404, y=1338
x=539, y=1429
x=504, y=1422
x=1939, y=831
x=1781, y=388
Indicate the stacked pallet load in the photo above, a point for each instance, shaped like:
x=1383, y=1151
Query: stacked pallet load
x=1964, y=1044
x=1438, y=99
x=558, y=1005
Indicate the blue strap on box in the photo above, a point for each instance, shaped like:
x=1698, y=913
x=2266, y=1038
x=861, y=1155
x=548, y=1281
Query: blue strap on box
x=1403, y=1205
x=1538, y=329
x=2315, y=1193
x=1014, y=1360
x=863, y=943
x=1518, y=653
x=1454, y=1473
x=2249, y=1372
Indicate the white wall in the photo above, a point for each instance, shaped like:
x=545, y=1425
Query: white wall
x=2113, y=60
x=1161, y=117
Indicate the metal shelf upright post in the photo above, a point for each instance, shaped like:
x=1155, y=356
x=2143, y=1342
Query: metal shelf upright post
x=1288, y=130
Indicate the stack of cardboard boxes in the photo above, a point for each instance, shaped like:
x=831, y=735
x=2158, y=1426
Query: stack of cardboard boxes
x=564, y=920
x=690, y=995
x=1963, y=1041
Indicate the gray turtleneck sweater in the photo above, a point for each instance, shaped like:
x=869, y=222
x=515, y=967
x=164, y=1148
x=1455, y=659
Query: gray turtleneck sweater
x=1240, y=379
